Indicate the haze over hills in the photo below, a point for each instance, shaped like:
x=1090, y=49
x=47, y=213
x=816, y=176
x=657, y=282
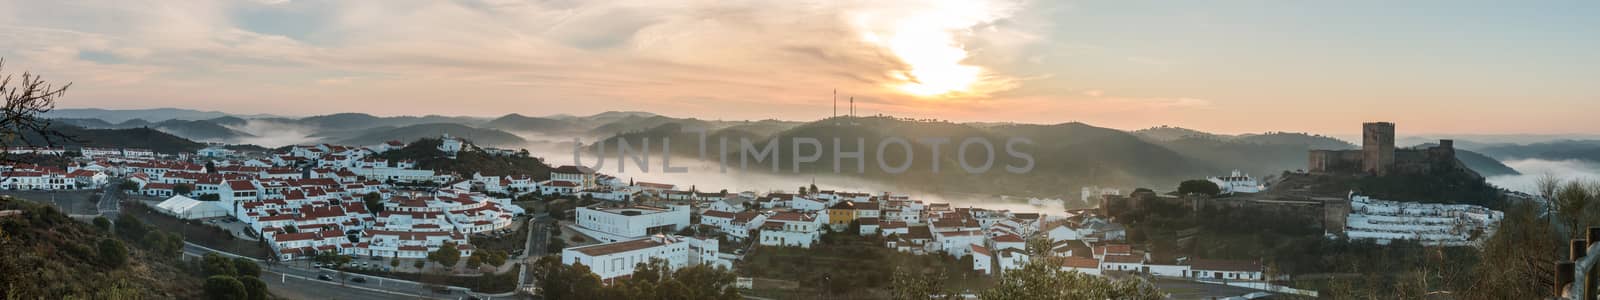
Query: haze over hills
x=1069, y=154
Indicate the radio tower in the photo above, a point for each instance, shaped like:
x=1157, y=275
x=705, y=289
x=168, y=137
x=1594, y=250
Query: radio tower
x=836, y=103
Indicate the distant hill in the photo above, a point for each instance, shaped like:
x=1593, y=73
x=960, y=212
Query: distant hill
x=200, y=130
x=1588, y=150
x=83, y=122
x=1168, y=133
x=638, y=123
x=517, y=122
x=1311, y=141
x=1066, y=156
x=479, y=136
x=155, y=114
x=1480, y=163
x=147, y=138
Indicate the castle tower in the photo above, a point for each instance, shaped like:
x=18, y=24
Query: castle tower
x=1377, y=147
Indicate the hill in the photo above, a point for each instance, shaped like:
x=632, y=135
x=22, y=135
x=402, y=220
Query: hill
x=427, y=155
x=1588, y=150
x=517, y=122
x=1168, y=133
x=155, y=114
x=200, y=130
x=637, y=123
x=51, y=256
x=480, y=136
x=83, y=122
x=1480, y=163
x=1066, y=156
x=147, y=138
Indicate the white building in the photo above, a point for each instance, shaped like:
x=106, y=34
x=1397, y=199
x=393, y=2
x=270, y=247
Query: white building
x=628, y=223
x=792, y=229
x=1237, y=183
x=190, y=209
x=618, y=259
x=982, y=260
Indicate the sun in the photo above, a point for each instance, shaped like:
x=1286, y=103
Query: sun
x=934, y=60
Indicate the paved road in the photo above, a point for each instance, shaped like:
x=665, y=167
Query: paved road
x=110, y=199
x=538, y=240
x=296, y=280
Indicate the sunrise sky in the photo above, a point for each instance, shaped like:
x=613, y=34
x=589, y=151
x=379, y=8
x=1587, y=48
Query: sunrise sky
x=1222, y=66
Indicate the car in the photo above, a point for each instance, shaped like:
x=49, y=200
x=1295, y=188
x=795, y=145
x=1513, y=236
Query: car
x=324, y=277
x=358, y=279
x=316, y=265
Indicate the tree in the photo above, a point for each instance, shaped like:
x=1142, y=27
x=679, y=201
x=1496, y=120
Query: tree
x=225, y=288
x=1572, y=203
x=246, y=267
x=374, y=202
x=112, y=253
x=102, y=223
x=497, y=258
x=561, y=281
x=130, y=228
x=254, y=288
x=1520, y=257
x=1041, y=280
x=475, y=261
x=418, y=264
x=447, y=255
x=216, y=265
x=908, y=285
x=1199, y=187
x=26, y=100
x=182, y=189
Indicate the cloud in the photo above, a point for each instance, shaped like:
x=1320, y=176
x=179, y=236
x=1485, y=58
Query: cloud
x=585, y=55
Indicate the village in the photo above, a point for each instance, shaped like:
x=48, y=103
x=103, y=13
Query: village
x=306, y=201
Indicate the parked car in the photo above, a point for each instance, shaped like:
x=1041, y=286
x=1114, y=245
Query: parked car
x=325, y=277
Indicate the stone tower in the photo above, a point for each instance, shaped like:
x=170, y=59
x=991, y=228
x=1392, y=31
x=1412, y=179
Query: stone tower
x=1377, y=147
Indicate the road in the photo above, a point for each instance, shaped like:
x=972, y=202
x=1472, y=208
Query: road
x=295, y=280
x=538, y=240
x=110, y=199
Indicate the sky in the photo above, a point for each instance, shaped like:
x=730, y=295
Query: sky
x=1487, y=67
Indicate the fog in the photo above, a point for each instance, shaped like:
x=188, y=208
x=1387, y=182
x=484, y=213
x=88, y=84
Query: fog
x=273, y=134
x=1532, y=169
x=707, y=175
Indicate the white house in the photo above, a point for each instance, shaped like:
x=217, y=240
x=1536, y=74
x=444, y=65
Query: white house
x=1237, y=183
x=618, y=259
x=982, y=260
x=793, y=229
x=1226, y=269
x=627, y=223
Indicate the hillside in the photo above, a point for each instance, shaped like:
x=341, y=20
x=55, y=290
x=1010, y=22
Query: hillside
x=637, y=123
x=147, y=138
x=427, y=155
x=1588, y=150
x=50, y=256
x=480, y=136
x=200, y=130
x=1066, y=156
x=1168, y=133
x=517, y=122
x=1480, y=163
x=123, y=115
